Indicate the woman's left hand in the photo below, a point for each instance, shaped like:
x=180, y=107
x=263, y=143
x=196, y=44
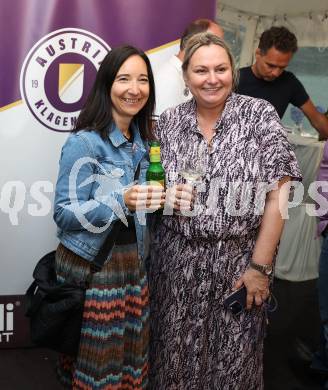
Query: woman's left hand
x=257, y=286
x=180, y=197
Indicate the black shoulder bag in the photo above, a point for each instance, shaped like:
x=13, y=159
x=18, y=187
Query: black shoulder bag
x=55, y=309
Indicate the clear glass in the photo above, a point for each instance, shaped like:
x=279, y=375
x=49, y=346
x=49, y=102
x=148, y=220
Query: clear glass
x=192, y=166
x=193, y=163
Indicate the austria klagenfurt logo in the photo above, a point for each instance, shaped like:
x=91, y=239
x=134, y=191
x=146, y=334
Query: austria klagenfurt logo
x=58, y=73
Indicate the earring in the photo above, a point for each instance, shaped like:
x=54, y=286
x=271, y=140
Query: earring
x=186, y=91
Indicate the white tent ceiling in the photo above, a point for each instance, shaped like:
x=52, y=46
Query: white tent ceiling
x=276, y=7
x=247, y=19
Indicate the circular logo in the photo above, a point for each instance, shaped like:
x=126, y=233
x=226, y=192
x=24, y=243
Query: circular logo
x=58, y=73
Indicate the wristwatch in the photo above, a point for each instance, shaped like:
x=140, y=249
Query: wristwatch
x=265, y=269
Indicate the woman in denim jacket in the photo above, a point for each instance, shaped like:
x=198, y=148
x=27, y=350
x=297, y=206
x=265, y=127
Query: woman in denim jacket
x=95, y=188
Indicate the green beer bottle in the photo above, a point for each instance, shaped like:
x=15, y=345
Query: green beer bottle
x=155, y=174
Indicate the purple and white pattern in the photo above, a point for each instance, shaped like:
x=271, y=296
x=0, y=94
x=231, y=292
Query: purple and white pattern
x=195, y=343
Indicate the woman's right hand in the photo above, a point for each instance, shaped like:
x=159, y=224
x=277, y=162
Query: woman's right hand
x=144, y=197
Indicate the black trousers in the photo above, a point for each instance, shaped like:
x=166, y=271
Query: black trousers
x=292, y=337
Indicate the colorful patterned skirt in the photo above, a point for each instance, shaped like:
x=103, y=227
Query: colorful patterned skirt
x=113, y=351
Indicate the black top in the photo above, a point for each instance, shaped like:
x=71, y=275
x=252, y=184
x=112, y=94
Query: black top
x=280, y=92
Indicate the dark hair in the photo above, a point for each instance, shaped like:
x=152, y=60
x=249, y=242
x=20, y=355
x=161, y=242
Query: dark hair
x=97, y=111
x=195, y=27
x=280, y=38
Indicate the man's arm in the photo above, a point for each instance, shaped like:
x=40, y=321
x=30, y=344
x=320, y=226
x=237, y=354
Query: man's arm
x=318, y=121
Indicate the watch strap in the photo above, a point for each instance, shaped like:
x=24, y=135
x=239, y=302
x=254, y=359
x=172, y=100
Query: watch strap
x=265, y=269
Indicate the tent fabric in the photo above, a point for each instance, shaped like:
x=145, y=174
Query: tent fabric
x=310, y=23
x=276, y=7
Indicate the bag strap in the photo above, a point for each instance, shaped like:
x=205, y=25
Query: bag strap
x=98, y=262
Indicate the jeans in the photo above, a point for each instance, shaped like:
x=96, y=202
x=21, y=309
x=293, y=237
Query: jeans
x=320, y=360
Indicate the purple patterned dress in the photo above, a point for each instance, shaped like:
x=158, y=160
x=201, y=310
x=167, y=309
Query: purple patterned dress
x=196, y=344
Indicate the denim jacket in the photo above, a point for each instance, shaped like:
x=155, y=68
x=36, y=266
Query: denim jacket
x=93, y=175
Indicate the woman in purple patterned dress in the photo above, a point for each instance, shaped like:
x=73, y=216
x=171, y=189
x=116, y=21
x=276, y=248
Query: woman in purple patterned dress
x=232, y=236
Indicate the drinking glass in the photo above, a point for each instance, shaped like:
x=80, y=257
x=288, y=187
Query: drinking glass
x=192, y=164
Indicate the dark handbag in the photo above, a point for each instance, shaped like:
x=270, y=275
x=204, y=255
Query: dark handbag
x=56, y=309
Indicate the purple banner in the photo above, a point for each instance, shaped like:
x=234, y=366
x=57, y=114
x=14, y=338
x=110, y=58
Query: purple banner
x=143, y=23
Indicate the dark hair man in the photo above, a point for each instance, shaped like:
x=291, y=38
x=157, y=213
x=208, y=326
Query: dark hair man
x=268, y=79
x=169, y=84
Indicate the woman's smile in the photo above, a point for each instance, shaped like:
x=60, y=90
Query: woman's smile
x=209, y=76
x=131, y=101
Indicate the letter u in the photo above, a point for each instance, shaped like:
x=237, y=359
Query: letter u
x=50, y=50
